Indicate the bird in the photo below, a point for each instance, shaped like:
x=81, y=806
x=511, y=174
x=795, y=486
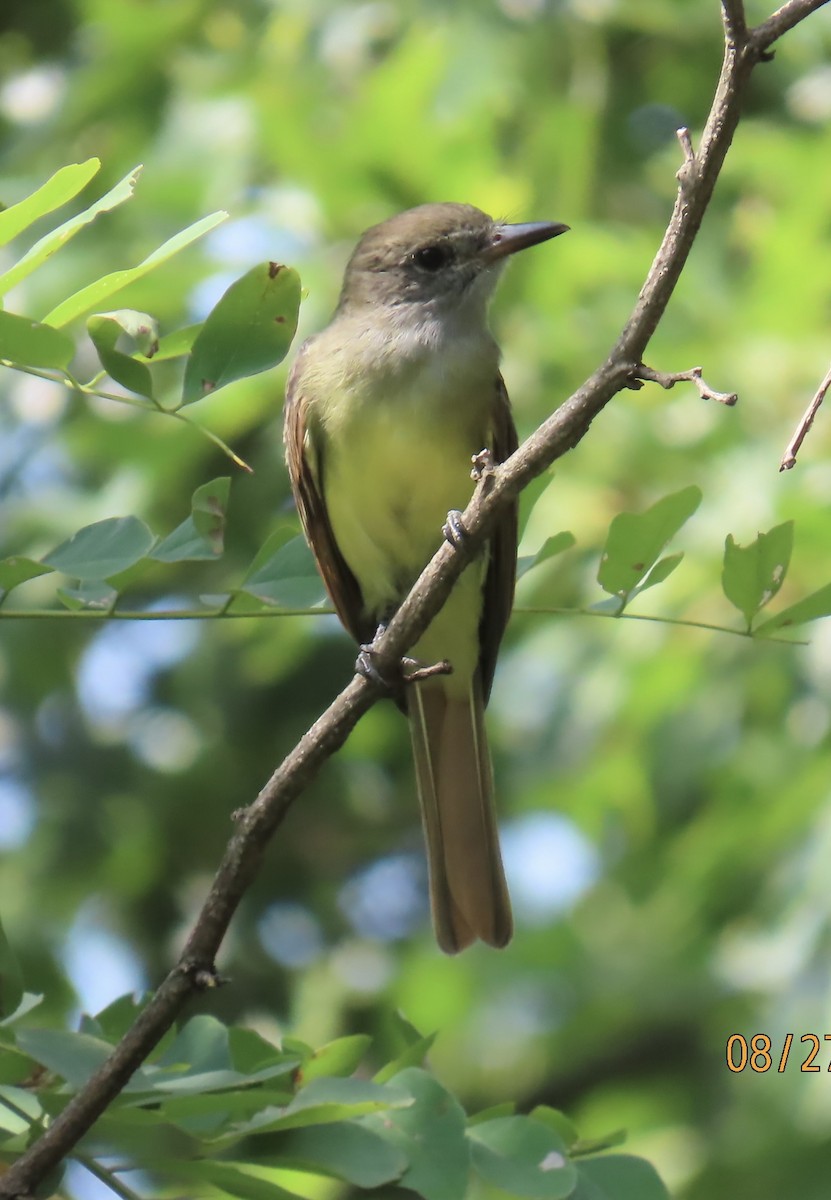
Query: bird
x=384, y=410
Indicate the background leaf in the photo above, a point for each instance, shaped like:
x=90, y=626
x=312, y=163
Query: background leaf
x=348, y=1151
x=51, y=242
x=752, y=575
x=99, y=291
x=430, y=1132
x=522, y=1157
x=550, y=547
x=288, y=578
x=618, y=1177
x=11, y=977
x=16, y=570
x=249, y=330
x=636, y=539
x=102, y=550
x=811, y=608
x=59, y=188
x=105, y=329
x=32, y=344
x=202, y=534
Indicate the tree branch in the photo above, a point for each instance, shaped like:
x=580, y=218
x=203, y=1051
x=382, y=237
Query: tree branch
x=558, y=434
x=806, y=421
x=734, y=21
x=780, y=22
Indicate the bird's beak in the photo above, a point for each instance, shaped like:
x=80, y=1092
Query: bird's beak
x=507, y=239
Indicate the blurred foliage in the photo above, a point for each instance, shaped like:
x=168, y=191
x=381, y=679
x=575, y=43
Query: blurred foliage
x=224, y=1112
x=665, y=792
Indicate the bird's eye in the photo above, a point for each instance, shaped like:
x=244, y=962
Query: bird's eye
x=432, y=258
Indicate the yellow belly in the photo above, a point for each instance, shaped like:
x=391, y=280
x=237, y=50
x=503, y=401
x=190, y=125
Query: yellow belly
x=390, y=478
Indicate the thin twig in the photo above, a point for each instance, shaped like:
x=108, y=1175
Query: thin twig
x=686, y=172
x=780, y=22
x=560, y=433
x=801, y=431
x=669, y=379
x=734, y=21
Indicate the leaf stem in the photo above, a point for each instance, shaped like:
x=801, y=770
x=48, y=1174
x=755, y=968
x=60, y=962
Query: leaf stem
x=223, y=613
x=66, y=379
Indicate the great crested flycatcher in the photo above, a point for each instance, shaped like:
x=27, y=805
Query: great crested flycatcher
x=384, y=410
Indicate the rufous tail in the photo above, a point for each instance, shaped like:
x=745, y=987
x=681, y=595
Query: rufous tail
x=468, y=893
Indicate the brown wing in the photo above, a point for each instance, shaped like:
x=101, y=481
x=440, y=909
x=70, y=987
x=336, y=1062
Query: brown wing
x=501, y=577
x=305, y=463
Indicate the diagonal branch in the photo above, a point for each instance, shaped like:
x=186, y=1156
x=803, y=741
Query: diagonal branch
x=780, y=22
x=558, y=434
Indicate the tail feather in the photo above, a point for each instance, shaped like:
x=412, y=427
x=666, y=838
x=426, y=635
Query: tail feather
x=468, y=893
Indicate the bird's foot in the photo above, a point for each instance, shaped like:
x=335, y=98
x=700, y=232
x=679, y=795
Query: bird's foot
x=365, y=663
x=409, y=670
x=454, y=529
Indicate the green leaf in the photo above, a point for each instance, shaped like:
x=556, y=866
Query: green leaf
x=29, y=1001
x=101, y=550
x=322, y=1102
x=31, y=344
x=635, y=540
x=586, y=1146
x=752, y=575
x=506, y=1109
x=63, y=185
x=16, y=570
x=201, y=1045
x=95, y=293
x=208, y=1112
x=73, y=1056
x=551, y=546
x=348, y=1151
x=618, y=1177
x=662, y=570
x=105, y=329
x=201, y=536
x=93, y=594
x=559, y=1122
x=50, y=243
x=530, y=495
x=113, y=1021
x=24, y=1102
x=249, y=330
x=811, y=608
x=11, y=977
x=231, y=1179
x=175, y=344
x=524, y=1157
x=413, y=1056
x=431, y=1133
x=288, y=578
x=339, y=1058
x=250, y=1051
x=401, y=1027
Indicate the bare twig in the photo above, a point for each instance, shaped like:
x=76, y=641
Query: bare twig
x=801, y=431
x=734, y=21
x=686, y=172
x=558, y=434
x=417, y=671
x=784, y=19
x=669, y=379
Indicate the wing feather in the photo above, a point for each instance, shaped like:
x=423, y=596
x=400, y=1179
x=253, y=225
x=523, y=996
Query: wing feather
x=501, y=576
x=306, y=467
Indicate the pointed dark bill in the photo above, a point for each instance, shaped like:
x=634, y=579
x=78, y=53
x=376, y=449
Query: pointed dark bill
x=507, y=239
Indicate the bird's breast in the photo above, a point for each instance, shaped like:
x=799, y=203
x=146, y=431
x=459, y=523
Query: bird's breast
x=396, y=457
